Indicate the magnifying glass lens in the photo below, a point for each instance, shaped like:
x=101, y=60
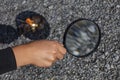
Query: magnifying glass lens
x=82, y=37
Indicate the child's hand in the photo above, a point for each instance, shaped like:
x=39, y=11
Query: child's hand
x=42, y=53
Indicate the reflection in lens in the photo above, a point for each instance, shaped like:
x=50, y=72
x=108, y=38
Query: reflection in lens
x=82, y=37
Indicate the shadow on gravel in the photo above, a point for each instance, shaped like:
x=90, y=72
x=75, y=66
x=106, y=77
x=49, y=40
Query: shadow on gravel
x=7, y=34
x=41, y=32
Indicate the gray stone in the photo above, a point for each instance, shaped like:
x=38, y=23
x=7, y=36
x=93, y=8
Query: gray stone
x=101, y=65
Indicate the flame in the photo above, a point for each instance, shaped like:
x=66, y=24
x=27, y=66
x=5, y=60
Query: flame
x=29, y=21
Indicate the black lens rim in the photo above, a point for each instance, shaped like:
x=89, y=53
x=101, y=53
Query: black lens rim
x=67, y=29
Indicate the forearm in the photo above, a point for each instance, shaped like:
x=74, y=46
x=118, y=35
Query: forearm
x=22, y=55
x=11, y=58
x=7, y=60
x=40, y=53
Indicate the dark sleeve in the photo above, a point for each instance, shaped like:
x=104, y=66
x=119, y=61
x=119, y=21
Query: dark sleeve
x=7, y=60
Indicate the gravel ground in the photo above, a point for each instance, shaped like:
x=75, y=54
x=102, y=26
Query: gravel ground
x=104, y=64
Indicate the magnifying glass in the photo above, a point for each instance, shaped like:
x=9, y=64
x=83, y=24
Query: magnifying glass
x=82, y=37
